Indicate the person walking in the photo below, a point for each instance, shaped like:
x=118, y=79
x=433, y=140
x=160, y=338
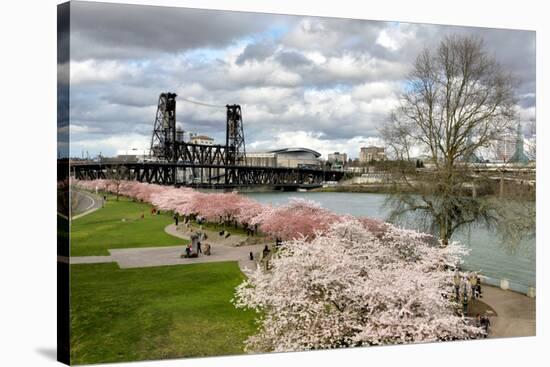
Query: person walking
x=465, y=304
x=199, y=250
x=456, y=281
x=485, y=323
x=473, y=284
x=478, y=286
x=176, y=219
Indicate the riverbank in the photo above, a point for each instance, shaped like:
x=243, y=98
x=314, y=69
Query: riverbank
x=367, y=188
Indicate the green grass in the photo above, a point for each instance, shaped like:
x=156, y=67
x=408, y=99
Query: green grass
x=104, y=229
x=155, y=313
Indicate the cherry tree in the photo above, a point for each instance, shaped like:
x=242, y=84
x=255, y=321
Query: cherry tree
x=349, y=287
x=299, y=217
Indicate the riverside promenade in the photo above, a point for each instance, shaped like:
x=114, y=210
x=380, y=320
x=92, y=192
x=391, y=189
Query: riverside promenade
x=223, y=249
x=514, y=313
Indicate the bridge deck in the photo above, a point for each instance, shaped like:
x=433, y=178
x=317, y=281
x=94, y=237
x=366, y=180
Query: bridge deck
x=207, y=175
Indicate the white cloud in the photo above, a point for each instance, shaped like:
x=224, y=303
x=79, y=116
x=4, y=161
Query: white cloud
x=116, y=144
x=367, y=91
x=100, y=71
x=385, y=40
x=78, y=129
x=528, y=114
x=396, y=37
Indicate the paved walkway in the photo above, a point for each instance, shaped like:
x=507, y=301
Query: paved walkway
x=86, y=203
x=222, y=249
x=515, y=313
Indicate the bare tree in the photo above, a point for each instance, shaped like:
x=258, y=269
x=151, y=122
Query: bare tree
x=457, y=100
x=116, y=175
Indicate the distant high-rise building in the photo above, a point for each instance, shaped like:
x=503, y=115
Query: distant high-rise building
x=510, y=147
x=337, y=157
x=519, y=154
x=505, y=147
x=371, y=154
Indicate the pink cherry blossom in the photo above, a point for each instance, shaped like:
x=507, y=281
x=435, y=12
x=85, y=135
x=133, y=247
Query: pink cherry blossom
x=351, y=287
x=297, y=218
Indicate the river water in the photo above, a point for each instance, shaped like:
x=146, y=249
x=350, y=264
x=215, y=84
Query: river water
x=488, y=253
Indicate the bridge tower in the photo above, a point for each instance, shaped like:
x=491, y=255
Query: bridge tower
x=164, y=140
x=235, y=151
x=234, y=139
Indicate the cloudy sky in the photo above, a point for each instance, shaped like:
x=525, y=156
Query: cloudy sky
x=321, y=83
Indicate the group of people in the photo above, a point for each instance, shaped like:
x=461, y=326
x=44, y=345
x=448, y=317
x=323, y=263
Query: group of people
x=189, y=249
x=196, y=239
x=467, y=287
x=251, y=230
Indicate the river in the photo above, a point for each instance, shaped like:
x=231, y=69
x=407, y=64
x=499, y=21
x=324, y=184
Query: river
x=488, y=254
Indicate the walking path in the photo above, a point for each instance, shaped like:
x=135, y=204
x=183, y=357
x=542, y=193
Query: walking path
x=515, y=313
x=222, y=249
x=87, y=203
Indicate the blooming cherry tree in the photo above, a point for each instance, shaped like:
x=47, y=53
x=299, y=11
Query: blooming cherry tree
x=349, y=286
x=297, y=218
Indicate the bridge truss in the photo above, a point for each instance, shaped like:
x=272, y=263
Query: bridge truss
x=181, y=163
x=206, y=175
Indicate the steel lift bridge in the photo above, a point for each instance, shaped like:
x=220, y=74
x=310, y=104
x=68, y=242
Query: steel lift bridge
x=180, y=163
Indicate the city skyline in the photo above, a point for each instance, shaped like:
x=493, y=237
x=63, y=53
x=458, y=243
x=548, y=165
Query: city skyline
x=322, y=83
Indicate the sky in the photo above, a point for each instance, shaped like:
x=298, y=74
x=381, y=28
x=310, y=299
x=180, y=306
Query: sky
x=326, y=84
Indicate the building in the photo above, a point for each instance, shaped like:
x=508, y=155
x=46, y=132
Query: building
x=338, y=157
x=261, y=159
x=505, y=147
x=297, y=157
x=287, y=157
x=519, y=155
x=371, y=154
x=201, y=139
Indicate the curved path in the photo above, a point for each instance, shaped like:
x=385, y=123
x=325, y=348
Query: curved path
x=222, y=249
x=86, y=203
x=515, y=313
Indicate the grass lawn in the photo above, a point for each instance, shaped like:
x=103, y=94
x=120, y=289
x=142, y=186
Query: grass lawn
x=104, y=229
x=155, y=313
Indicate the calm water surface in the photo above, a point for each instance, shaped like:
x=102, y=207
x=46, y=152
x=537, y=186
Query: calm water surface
x=488, y=252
